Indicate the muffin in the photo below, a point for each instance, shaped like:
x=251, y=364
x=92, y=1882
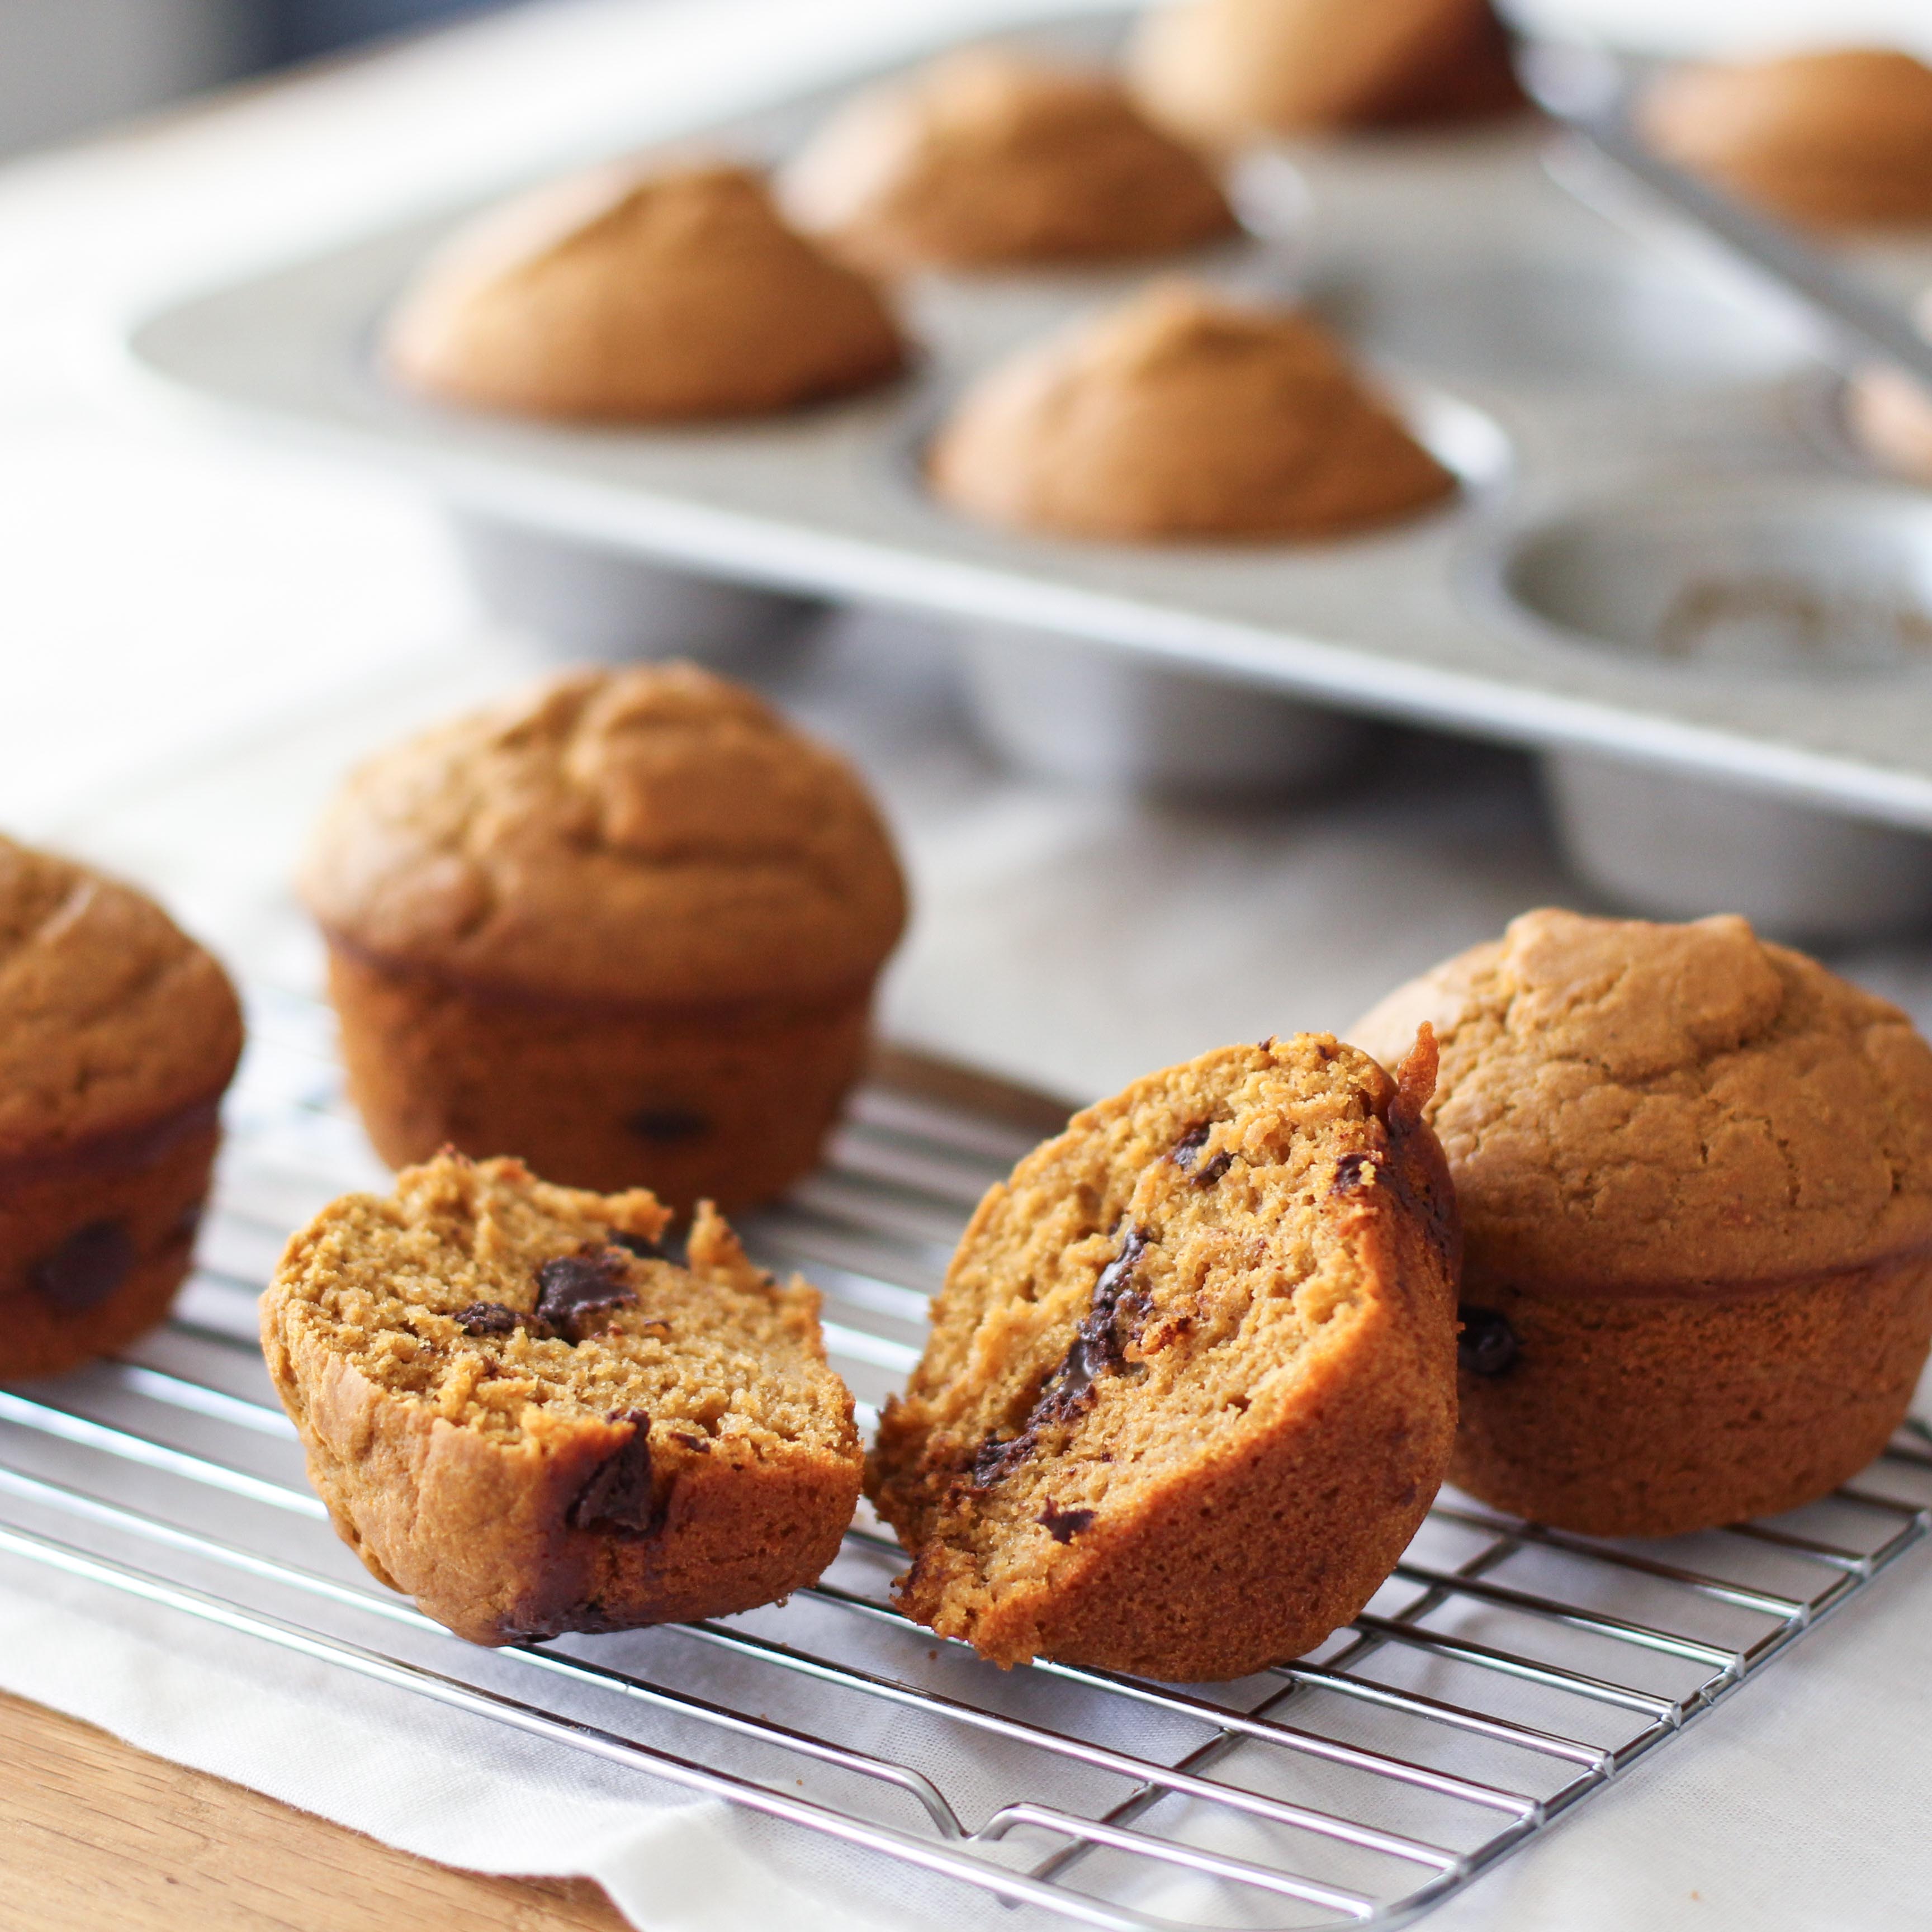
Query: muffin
x=625, y=925
x=640, y=294
x=1889, y=414
x=1189, y=1388
x=986, y=159
x=1229, y=71
x=1836, y=139
x=522, y=1413
x=1695, y=1171
x=1183, y=415
x=118, y=1035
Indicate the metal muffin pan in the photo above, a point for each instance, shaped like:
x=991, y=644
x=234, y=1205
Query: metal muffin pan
x=1589, y=377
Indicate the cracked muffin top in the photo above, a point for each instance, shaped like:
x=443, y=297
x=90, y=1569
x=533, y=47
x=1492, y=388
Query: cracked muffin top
x=641, y=292
x=1630, y=1106
x=655, y=834
x=986, y=158
x=111, y=1017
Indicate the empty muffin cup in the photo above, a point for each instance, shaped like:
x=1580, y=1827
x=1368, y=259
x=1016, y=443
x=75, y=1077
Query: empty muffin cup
x=1060, y=708
x=1797, y=589
x=590, y=601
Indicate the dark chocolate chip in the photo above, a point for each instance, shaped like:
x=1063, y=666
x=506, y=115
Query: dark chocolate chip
x=1215, y=1168
x=1186, y=1151
x=697, y=1442
x=665, y=1125
x=1064, y=1526
x=1352, y=1171
x=1487, y=1344
x=998, y=1457
x=640, y=1245
x=488, y=1318
x=85, y=1269
x=574, y=1286
x=616, y=1501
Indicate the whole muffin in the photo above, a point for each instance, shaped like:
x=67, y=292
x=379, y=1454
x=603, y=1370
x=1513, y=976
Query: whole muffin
x=118, y=1035
x=640, y=294
x=986, y=158
x=1184, y=416
x=624, y=926
x=1836, y=139
x=1695, y=1171
x=1189, y=1389
x=521, y=1412
x=1229, y=71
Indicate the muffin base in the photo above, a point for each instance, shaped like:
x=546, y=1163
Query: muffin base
x=728, y=1102
x=1650, y=1416
x=95, y=1239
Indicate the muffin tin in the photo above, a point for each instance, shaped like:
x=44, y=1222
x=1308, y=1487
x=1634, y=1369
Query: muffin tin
x=1587, y=387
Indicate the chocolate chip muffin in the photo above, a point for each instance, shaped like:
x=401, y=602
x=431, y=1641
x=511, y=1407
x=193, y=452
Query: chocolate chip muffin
x=625, y=925
x=1183, y=416
x=1189, y=1388
x=521, y=1412
x=1696, y=1177
x=987, y=159
x=640, y=293
x=1834, y=138
x=1228, y=71
x=118, y=1035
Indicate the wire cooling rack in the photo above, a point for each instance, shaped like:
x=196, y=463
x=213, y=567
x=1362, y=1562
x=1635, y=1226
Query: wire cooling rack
x=1504, y=1674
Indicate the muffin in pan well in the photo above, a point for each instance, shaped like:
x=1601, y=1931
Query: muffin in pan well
x=1227, y=72
x=1190, y=1386
x=988, y=159
x=1695, y=1173
x=1183, y=416
x=624, y=926
x=119, y=1035
x=1831, y=138
x=639, y=291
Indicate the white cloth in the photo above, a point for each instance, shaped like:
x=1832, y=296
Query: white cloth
x=198, y=637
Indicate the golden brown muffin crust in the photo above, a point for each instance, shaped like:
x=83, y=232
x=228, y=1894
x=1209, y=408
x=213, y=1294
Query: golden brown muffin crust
x=1629, y=1107
x=1840, y=137
x=522, y=1413
x=1189, y=1388
x=643, y=293
x=1184, y=416
x=1228, y=70
x=655, y=835
x=986, y=158
x=111, y=1017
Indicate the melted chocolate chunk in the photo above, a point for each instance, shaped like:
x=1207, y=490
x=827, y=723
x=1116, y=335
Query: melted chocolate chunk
x=1099, y=1348
x=1352, y=1171
x=1215, y=1168
x=85, y=1269
x=697, y=1442
x=616, y=1501
x=1487, y=1344
x=1186, y=1151
x=489, y=1318
x=574, y=1286
x=1064, y=1526
x=665, y=1125
x=645, y=1249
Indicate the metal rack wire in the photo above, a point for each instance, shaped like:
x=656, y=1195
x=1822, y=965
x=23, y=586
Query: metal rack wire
x=1504, y=1674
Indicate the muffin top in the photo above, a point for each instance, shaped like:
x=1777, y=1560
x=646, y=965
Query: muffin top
x=1634, y=1107
x=984, y=157
x=1182, y=414
x=642, y=294
x=655, y=834
x=1841, y=137
x=1228, y=70
x=111, y=1017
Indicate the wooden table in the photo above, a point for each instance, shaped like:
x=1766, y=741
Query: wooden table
x=95, y=1833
